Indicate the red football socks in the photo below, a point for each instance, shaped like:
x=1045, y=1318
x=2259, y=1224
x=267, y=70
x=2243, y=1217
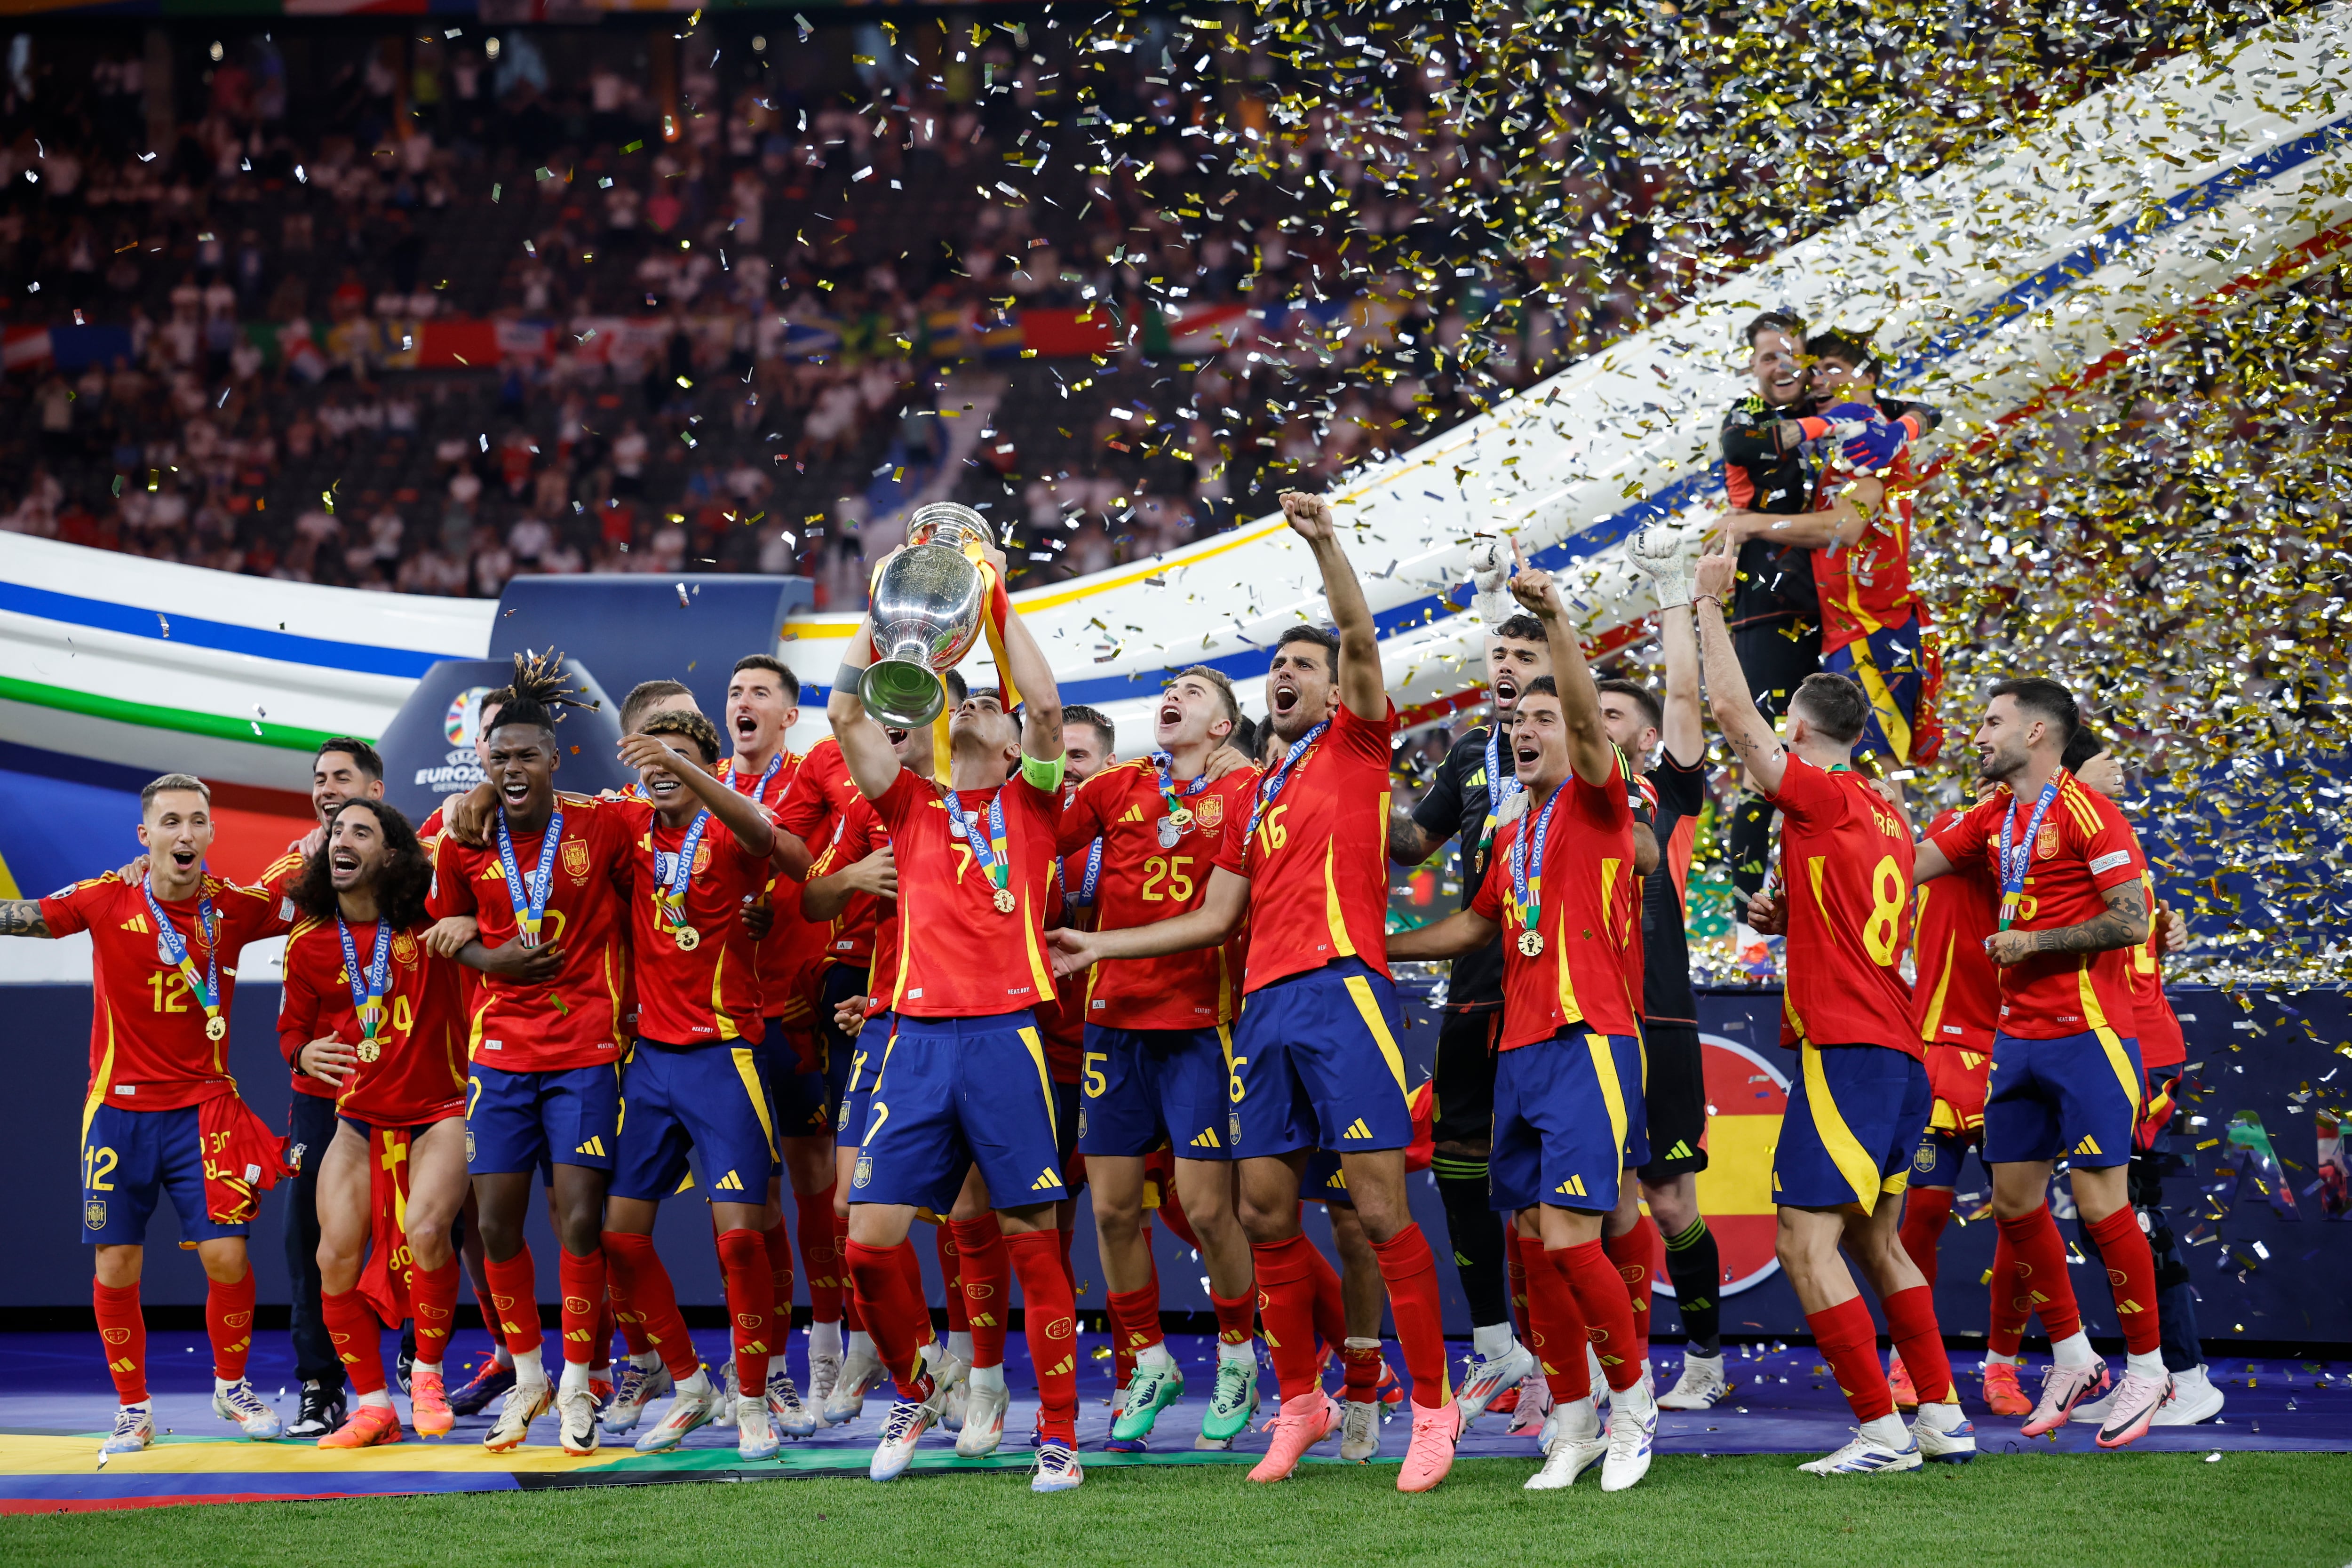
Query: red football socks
x=1848, y=1340
x=1050, y=1315
x=1329, y=1302
x=1135, y=1318
x=1607, y=1310
x=122, y=1330
x=1634, y=1253
x=853, y=1319
x=514, y=1297
x=433, y=1299
x=1064, y=1240
x=1911, y=1324
x=581, y=1278
x=2010, y=1306
x=1926, y=1211
x=1360, y=1361
x=1555, y=1331
x=1410, y=1273
x=1287, y=1305
x=2131, y=1271
x=1236, y=1317
x=1516, y=1251
x=748, y=1262
x=779, y=1243
x=357, y=1337
x=228, y=1319
x=643, y=1294
x=987, y=1278
x=2041, y=1255
x=952, y=1278
x=820, y=1256
x=894, y=1315
x=599, y=1353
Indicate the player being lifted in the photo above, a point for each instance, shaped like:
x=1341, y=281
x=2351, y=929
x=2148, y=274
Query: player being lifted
x=2065, y=1076
x=1141, y=838
x=164, y=952
x=1569, y=1123
x=545, y=1038
x=964, y=1082
x=1316, y=1063
x=375, y=1017
x=1855, y=1113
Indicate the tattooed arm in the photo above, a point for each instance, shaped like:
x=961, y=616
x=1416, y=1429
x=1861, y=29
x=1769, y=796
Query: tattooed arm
x=1409, y=842
x=2124, y=924
x=23, y=917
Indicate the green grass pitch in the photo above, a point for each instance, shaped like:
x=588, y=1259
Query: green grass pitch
x=2166, y=1511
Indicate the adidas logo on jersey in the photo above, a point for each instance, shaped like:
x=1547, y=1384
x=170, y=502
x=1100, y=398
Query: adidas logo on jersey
x=1207, y=1139
x=1134, y=813
x=1046, y=1183
x=730, y=1182
x=1573, y=1187
x=138, y=923
x=593, y=1146
x=1356, y=1129
x=2088, y=1146
x=1680, y=1150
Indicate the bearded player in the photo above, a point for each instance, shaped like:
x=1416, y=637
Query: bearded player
x=545, y=1054
x=162, y=1116
x=377, y=1019
x=1855, y=1113
x=964, y=1082
x=2065, y=1076
x=1139, y=840
x=1569, y=1123
x=1315, y=1062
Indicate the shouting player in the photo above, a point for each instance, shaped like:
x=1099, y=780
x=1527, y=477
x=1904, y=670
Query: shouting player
x=162, y=1115
x=379, y=1020
x=2065, y=1076
x=1856, y=1112
x=692, y=1094
x=963, y=1081
x=545, y=1038
x=1569, y=1123
x=1466, y=801
x=1141, y=838
x=1316, y=1063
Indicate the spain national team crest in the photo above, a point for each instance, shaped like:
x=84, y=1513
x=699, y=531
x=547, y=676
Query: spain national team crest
x=702, y=857
x=404, y=951
x=1747, y=1096
x=1211, y=813
x=575, y=859
x=2045, y=843
x=864, y=1171
x=93, y=1215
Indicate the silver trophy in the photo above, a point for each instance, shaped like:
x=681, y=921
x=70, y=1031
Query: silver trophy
x=927, y=608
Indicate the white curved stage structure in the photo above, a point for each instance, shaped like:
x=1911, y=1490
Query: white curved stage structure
x=2014, y=276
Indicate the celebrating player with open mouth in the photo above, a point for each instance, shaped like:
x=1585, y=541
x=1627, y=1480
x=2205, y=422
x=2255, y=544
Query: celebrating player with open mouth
x=1316, y=1063
x=373, y=1014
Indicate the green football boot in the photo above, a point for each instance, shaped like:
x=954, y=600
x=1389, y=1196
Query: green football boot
x=1230, y=1403
x=1150, y=1391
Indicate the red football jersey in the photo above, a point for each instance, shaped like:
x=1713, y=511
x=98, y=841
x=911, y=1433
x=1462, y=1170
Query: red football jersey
x=864, y=934
x=1846, y=870
x=147, y=1044
x=2084, y=848
x=1318, y=864
x=418, y=1074
x=963, y=958
x=577, y=1021
x=1955, y=990
x=820, y=794
x=278, y=878
x=1143, y=880
x=713, y=993
x=1866, y=586
x=2161, y=1044
x=1589, y=915
x=790, y=953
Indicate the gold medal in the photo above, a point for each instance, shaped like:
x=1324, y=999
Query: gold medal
x=1531, y=942
x=686, y=938
x=216, y=1027
x=1005, y=900
x=369, y=1051
x=1182, y=816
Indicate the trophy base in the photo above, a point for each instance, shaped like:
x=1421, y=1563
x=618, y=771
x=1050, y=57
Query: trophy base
x=902, y=693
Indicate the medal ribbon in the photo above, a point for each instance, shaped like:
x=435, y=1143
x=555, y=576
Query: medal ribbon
x=758, y=791
x=1084, y=898
x=1165, y=765
x=532, y=908
x=1527, y=888
x=669, y=900
x=368, y=987
x=173, y=950
x=1501, y=786
x=988, y=853
x=2013, y=866
x=1272, y=786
